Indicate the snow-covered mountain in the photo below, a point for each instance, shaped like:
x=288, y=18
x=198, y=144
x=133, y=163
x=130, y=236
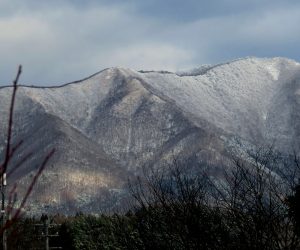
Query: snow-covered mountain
x=107, y=127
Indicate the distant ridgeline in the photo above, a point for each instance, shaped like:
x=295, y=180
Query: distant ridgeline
x=115, y=124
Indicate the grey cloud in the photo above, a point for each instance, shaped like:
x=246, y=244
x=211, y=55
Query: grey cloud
x=60, y=41
x=268, y=32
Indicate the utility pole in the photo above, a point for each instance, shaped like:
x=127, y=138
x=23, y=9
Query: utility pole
x=46, y=226
x=3, y=212
x=46, y=236
x=45, y=221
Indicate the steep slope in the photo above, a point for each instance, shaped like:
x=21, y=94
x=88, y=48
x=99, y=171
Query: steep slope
x=79, y=170
x=113, y=124
x=253, y=98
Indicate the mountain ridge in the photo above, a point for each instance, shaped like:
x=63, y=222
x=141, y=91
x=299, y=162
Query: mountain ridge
x=156, y=71
x=118, y=121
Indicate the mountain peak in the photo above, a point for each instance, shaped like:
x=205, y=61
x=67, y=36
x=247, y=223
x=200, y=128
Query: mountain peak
x=107, y=126
x=272, y=62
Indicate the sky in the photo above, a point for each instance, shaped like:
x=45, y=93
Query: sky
x=61, y=41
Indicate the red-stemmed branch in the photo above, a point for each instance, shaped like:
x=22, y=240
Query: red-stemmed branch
x=18, y=212
x=9, y=154
x=13, y=169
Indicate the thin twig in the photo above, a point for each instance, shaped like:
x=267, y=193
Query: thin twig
x=18, y=212
x=19, y=164
x=10, y=121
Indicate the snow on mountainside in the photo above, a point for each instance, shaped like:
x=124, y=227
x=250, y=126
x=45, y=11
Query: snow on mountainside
x=238, y=97
x=110, y=125
x=244, y=97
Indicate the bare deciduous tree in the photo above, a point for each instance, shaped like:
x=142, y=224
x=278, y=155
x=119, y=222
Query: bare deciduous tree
x=10, y=213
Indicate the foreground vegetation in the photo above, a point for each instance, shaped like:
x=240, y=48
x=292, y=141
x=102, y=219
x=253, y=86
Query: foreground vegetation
x=255, y=206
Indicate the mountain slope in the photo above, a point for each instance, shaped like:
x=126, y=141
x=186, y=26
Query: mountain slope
x=110, y=126
x=243, y=97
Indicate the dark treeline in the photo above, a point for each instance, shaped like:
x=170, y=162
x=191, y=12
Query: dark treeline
x=255, y=204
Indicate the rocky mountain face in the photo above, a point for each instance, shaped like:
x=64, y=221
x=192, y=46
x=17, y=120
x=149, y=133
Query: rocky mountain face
x=109, y=127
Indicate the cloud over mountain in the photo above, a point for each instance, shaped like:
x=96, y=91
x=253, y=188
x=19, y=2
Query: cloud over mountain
x=60, y=41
